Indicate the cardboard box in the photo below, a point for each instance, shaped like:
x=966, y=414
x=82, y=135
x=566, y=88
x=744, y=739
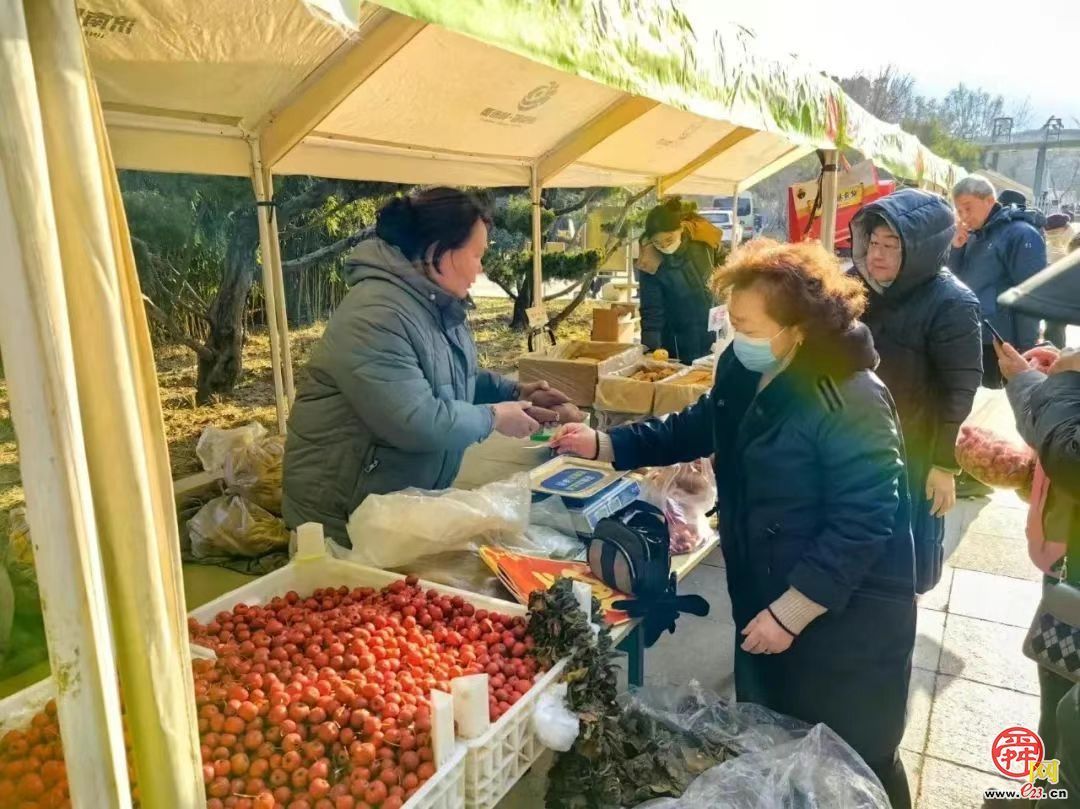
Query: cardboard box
x=681, y=390
x=618, y=393
x=618, y=323
x=575, y=367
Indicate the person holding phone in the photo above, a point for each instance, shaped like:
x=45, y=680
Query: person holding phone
x=999, y=247
x=926, y=327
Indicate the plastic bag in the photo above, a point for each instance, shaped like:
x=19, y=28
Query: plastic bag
x=818, y=770
x=556, y=725
x=686, y=493
x=215, y=444
x=438, y=522
x=18, y=556
x=232, y=526
x=782, y=763
x=254, y=470
x=993, y=459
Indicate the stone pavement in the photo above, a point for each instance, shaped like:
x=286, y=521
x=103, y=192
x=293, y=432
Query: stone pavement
x=970, y=679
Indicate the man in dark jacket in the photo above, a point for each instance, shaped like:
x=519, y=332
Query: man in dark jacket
x=926, y=329
x=996, y=248
x=674, y=271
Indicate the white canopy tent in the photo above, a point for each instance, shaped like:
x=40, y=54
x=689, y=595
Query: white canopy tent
x=263, y=84
x=489, y=93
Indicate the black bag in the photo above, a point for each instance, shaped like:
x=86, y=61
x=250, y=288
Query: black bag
x=630, y=550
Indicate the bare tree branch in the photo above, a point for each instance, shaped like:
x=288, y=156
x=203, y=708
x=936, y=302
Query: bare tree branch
x=330, y=251
x=174, y=330
x=586, y=198
x=565, y=290
x=509, y=290
x=191, y=310
x=613, y=242
x=576, y=301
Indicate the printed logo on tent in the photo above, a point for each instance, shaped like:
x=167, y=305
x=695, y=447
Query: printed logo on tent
x=98, y=24
x=533, y=99
x=538, y=96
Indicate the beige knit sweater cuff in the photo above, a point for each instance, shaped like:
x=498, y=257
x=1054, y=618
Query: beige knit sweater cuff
x=795, y=611
x=606, y=452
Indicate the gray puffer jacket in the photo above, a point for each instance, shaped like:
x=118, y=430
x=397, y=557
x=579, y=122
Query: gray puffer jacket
x=392, y=395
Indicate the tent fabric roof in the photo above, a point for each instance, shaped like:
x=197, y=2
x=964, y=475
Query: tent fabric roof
x=590, y=92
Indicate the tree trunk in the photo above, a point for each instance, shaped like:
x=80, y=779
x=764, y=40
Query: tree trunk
x=220, y=368
x=519, y=321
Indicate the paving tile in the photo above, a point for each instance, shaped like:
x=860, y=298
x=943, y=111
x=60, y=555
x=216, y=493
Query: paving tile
x=946, y=785
x=994, y=598
x=989, y=653
x=700, y=649
x=913, y=766
x=1000, y=521
x=920, y=699
x=711, y=584
x=715, y=559
x=938, y=598
x=967, y=716
x=958, y=521
x=1001, y=555
x=928, y=641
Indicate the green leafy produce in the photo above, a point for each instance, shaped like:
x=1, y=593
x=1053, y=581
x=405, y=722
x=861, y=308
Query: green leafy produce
x=621, y=757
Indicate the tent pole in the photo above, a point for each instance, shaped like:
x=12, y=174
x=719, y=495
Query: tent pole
x=265, y=215
x=36, y=335
x=279, y=294
x=538, y=265
x=829, y=182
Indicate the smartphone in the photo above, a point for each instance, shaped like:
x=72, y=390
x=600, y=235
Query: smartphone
x=993, y=331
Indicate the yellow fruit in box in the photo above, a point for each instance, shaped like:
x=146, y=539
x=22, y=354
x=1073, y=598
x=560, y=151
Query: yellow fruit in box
x=661, y=355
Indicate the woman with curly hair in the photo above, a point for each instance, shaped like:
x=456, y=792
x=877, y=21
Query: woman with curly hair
x=812, y=501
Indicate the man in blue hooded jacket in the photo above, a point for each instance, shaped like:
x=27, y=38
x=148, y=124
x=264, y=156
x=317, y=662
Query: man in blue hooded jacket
x=996, y=248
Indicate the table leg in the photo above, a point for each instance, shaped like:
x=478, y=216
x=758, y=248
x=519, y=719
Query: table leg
x=634, y=646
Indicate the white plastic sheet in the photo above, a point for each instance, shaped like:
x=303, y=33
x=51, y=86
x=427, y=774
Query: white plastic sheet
x=782, y=763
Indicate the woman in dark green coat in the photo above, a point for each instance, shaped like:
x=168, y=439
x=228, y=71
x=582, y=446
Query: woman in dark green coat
x=393, y=395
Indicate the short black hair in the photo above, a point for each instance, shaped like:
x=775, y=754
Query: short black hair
x=439, y=216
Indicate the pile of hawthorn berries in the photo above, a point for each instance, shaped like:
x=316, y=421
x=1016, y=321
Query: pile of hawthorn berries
x=314, y=703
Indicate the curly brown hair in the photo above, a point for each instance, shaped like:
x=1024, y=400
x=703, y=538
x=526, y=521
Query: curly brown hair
x=803, y=284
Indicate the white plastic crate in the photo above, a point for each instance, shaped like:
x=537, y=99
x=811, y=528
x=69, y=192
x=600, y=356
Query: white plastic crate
x=445, y=789
x=16, y=710
x=497, y=760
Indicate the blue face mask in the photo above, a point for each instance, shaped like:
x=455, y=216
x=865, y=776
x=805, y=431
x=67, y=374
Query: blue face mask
x=755, y=353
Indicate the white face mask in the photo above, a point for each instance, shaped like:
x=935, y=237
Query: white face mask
x=671, y=248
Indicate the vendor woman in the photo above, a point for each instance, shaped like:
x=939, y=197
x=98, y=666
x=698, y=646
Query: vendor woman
x=812, y=501
x=392, y=396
